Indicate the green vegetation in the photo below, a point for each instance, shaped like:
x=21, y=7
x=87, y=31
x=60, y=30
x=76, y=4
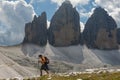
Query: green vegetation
x=85, y=76
x=93, y=76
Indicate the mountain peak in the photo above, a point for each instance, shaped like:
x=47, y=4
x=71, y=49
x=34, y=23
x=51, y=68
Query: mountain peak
x=100, y=10
x=35, y=17
x=64, y=28
x=36, y=31
x=100, y=30
x=67, y=2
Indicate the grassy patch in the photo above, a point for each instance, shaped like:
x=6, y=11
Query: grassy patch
x=93, y=76
x=85, y=76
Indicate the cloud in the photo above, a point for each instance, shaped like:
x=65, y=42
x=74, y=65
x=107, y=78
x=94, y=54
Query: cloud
x=74, y=2
x=48, y=24
x=86, y=14
x=36, y=1
x=14, y=15
x=82, y=26
x=113, y=8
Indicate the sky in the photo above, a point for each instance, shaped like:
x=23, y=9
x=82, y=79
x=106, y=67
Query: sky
x=15, y=13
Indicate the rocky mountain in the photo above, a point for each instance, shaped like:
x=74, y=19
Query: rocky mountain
x=64, y=29
x=36, y=31
x=118, y=35
x=100, y=30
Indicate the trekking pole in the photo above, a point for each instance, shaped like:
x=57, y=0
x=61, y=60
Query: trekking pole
x=38, y=72
x=38, y=68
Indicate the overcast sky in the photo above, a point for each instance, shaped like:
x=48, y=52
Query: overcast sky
x=15, y=13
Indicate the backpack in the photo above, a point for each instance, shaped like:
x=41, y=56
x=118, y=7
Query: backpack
x=47, y=60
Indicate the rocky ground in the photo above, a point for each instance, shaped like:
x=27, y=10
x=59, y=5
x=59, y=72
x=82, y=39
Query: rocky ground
x=21, y=60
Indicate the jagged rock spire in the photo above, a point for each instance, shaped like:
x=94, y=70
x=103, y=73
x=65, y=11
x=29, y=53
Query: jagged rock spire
x=100, y=30
x=64, y=29
x=36, y=31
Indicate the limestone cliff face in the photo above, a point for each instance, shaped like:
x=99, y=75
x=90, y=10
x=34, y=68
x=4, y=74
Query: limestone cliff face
x=118, y=35
x=64, y=29
x=36, y=31
x=100, y=30
x=106, y=41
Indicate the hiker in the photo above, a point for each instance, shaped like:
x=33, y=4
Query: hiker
x=44, y=61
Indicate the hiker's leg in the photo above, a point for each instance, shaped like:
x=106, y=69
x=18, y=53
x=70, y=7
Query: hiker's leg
x=47, y=71
x=42, y=68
